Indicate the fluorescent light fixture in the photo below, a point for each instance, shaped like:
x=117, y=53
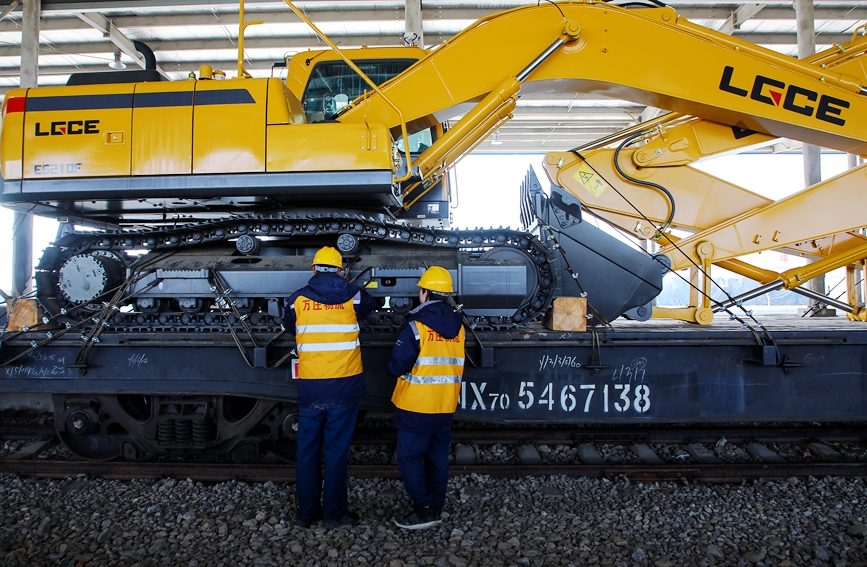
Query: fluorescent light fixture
x=117, y=64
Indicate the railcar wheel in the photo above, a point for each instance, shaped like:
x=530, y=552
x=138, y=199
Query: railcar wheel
x=92, y=447
x=245, y=305
x=79, y=429
x=286, y=446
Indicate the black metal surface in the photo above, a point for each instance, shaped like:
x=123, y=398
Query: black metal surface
x=114, y=77
x=627, y=434
x=615, y=276
x=106, y=198
x=675, y=379
x=638, y=373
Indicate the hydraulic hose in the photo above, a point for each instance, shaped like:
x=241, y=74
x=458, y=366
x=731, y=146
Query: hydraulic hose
x=631, y=179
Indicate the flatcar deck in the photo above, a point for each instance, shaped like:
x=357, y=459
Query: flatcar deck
x=794, y=369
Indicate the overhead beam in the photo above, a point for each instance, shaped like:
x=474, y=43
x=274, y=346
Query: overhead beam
x=102, y=5
x=790, y=38
x=742, y=13
x=123, y=43
x=69, y=6
x=197, y=45
x=9, y=8
x=181, y=20
x=344, y=40
x=723, y=12
x=327, y=15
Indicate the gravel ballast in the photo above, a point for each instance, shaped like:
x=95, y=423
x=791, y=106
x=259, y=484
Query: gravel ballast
x=498, y=522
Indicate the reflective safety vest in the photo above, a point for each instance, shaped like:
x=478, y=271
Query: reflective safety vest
x=327, y=339
x=434, y=383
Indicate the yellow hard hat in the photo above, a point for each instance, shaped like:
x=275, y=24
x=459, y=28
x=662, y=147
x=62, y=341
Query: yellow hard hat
x=436, y=279
x=328, y=256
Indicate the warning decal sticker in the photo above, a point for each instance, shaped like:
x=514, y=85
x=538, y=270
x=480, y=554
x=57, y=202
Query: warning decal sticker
x=588, y=178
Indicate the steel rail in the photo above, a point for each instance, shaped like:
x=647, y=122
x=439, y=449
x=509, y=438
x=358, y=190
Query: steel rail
x=27, y=431
x=571, y=435
x=221, y=472
x=631, y=434
x=23, y=464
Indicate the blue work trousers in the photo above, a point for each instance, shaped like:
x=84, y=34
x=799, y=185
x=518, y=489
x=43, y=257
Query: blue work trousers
x=324, y=434
x=424, y=465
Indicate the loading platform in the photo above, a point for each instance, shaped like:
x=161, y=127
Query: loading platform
x=799, y=369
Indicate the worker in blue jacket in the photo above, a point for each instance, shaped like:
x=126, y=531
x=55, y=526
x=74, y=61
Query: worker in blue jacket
x=428, y=360
x=324, y=317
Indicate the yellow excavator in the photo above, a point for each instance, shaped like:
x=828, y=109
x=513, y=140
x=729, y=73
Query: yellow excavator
x=726, y=221
x=193, y=208
x=118, y=151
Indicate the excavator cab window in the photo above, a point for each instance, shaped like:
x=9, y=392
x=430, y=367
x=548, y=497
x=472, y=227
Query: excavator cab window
x=333, y=84
x=418, y=142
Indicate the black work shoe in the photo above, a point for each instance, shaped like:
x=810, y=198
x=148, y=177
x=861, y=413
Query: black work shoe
x=416, y=521
x=305, y=523
x=349, y=519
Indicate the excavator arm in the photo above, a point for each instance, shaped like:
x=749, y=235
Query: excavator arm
x=710, y=207
x=730, y=94
x=706, y=74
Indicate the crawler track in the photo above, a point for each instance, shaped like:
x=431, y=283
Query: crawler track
x=816, y=456
x=106, y=251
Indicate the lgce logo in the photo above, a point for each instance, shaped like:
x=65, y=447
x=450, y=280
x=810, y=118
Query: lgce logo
x=69, y=128
x=790, y=97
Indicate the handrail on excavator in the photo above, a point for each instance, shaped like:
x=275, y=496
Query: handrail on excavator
x=242, y=27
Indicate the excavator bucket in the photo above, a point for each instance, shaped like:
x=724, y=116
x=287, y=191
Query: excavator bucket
x=618, y=279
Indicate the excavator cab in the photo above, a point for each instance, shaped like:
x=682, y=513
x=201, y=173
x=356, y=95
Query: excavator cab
x=325, y=83
x=331, y=85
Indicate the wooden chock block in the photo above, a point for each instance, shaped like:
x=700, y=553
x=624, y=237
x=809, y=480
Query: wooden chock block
x=567, y=314
x=25, y=313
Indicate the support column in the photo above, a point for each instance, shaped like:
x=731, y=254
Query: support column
x=22, y=224
x=812, y=154
x=414, y=34
x=858, y=285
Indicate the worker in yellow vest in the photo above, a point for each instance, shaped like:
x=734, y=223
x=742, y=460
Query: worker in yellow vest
x=324, y=317
x=428, y=360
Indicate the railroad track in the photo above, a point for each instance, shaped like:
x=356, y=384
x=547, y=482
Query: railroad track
x=819, y=451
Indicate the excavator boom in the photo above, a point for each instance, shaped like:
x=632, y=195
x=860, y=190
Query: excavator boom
x=703, y=73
